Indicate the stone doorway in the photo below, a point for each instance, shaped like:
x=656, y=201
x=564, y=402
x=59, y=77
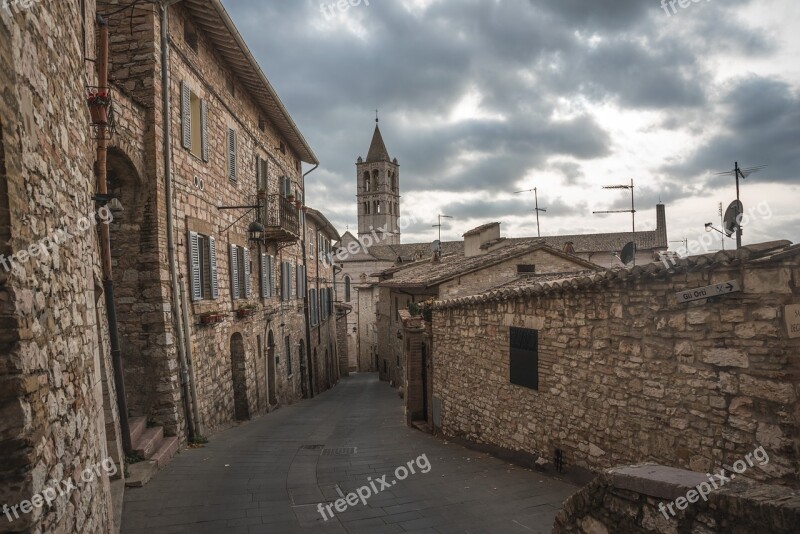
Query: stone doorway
x=272, y=394
x=239, y=372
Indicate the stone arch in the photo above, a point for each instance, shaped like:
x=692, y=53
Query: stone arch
x=132, y=241
x=239, y=377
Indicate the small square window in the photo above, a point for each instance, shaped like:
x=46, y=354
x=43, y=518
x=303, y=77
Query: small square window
x=190, y=35
x=524, y=357
x=282, y=148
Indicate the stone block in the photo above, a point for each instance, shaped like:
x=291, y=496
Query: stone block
x=726, y=358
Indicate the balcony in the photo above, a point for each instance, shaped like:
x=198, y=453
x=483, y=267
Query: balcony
x=281, y=220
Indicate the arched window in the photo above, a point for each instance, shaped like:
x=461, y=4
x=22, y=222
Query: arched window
x=347, y=283
x=379, y=207
x=366, y=181
x=375, y=174
x=366, y=208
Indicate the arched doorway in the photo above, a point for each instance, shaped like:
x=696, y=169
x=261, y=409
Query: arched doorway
x=272, y=394
x=239, y=372
x=303, y=376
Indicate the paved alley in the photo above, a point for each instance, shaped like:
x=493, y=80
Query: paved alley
x=270, y=475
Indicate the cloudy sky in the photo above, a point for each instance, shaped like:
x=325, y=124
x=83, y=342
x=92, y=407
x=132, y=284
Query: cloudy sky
x=481, y=98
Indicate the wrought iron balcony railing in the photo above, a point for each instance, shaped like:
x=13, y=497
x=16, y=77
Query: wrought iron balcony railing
x=281, y=219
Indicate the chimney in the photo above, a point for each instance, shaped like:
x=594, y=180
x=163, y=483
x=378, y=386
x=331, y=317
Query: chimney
x=661, y=226
x=569, y=248
x=477, y=237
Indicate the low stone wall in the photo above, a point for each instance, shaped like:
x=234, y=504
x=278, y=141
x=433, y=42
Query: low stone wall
x=627, y=374
x=638, y=499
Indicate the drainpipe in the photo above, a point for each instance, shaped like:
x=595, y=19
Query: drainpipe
x=309, y=352
x=181, y=341
x=105, y=248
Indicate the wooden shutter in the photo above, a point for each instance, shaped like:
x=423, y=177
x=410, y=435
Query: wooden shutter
x=186, y=115
x=271, y=271
x=204, y=129
x=232, y=154
x=194, y=267
x=264, y=276
x=246, y=272
x=284, y=281
x=212, y=256
x=234, y=272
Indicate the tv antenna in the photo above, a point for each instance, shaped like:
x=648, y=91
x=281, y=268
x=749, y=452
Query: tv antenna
x=439, y=226
x=738, y=172
x=632, y=211
x=537, y=209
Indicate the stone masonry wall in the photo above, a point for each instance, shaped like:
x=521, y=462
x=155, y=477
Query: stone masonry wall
x=627, y=374
x=53, y=345
x=641, y=499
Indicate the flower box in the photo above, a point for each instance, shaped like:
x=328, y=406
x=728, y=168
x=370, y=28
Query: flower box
x=211, y=318
x=243, y=313
x=99, y=102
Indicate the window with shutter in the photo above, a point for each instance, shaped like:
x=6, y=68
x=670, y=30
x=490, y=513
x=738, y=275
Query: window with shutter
x=212, y=265
x=186, y=115
x=204, y=130
x=194, y=267
x=245, y=258
x=264, y=276
x=232, y=155
x=271, y=275
x=234, y=272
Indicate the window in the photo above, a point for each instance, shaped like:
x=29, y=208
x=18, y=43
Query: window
x=240, y=272
x=526, y=269
x=232, y=150
x=267, y=276
x=366, y=181
x=347, y=283
x=202, y=267
x=190, y=35
x=262, y=124
x=229, y=84
x=286, y=281
x=194, y=122
x=282, y=147
x=301, y=281
x=524, y=357
x=288, y=356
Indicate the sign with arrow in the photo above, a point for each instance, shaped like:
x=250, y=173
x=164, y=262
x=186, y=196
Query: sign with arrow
x=709, y=291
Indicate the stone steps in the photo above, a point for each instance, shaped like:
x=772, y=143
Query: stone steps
x=150, y=444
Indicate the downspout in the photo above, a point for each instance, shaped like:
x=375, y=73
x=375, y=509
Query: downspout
x=309, y=352
x=182, y=343
x=105, y=249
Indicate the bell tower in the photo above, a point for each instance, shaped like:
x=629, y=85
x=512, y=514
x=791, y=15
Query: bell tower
x=378, y=193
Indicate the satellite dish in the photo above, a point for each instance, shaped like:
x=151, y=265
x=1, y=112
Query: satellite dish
x=436, y=246
x=733, y=217
x=628, y=253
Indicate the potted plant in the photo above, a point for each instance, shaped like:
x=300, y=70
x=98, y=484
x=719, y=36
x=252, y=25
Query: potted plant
x=98, y=101
x=248, y=310
x=290, y=197
x=298, y=203
x=210, y=318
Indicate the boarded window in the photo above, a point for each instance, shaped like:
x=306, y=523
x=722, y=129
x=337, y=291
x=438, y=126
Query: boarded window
x=524, y=357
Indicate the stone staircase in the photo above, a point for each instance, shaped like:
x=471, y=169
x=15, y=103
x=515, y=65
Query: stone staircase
x=150, y=444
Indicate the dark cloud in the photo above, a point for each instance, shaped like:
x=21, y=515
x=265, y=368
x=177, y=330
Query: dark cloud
x=524, y=58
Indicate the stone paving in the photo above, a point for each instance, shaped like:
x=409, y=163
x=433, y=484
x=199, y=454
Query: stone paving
x=271, y=474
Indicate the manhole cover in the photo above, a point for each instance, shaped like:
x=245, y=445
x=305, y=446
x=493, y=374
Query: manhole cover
x=341, y=451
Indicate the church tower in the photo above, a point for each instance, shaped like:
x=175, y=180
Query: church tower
x=378, y=193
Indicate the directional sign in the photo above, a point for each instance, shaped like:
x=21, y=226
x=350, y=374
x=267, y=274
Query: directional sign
x=709, y=291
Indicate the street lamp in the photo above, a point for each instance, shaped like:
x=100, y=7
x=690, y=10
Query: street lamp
x=439, y=226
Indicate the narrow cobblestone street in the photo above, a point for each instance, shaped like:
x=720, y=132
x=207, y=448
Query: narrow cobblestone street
x=269, y=475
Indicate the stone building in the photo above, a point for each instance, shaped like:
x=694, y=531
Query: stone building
x=604, y=248
x=487, y=261
x=627, y=366
x=320, y=236
x=212, y=243
x=57, y=411
x=376, y=248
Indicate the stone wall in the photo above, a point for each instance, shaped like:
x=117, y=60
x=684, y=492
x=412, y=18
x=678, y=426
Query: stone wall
x=641, y=500
x=54, y=356
x=627, y=373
